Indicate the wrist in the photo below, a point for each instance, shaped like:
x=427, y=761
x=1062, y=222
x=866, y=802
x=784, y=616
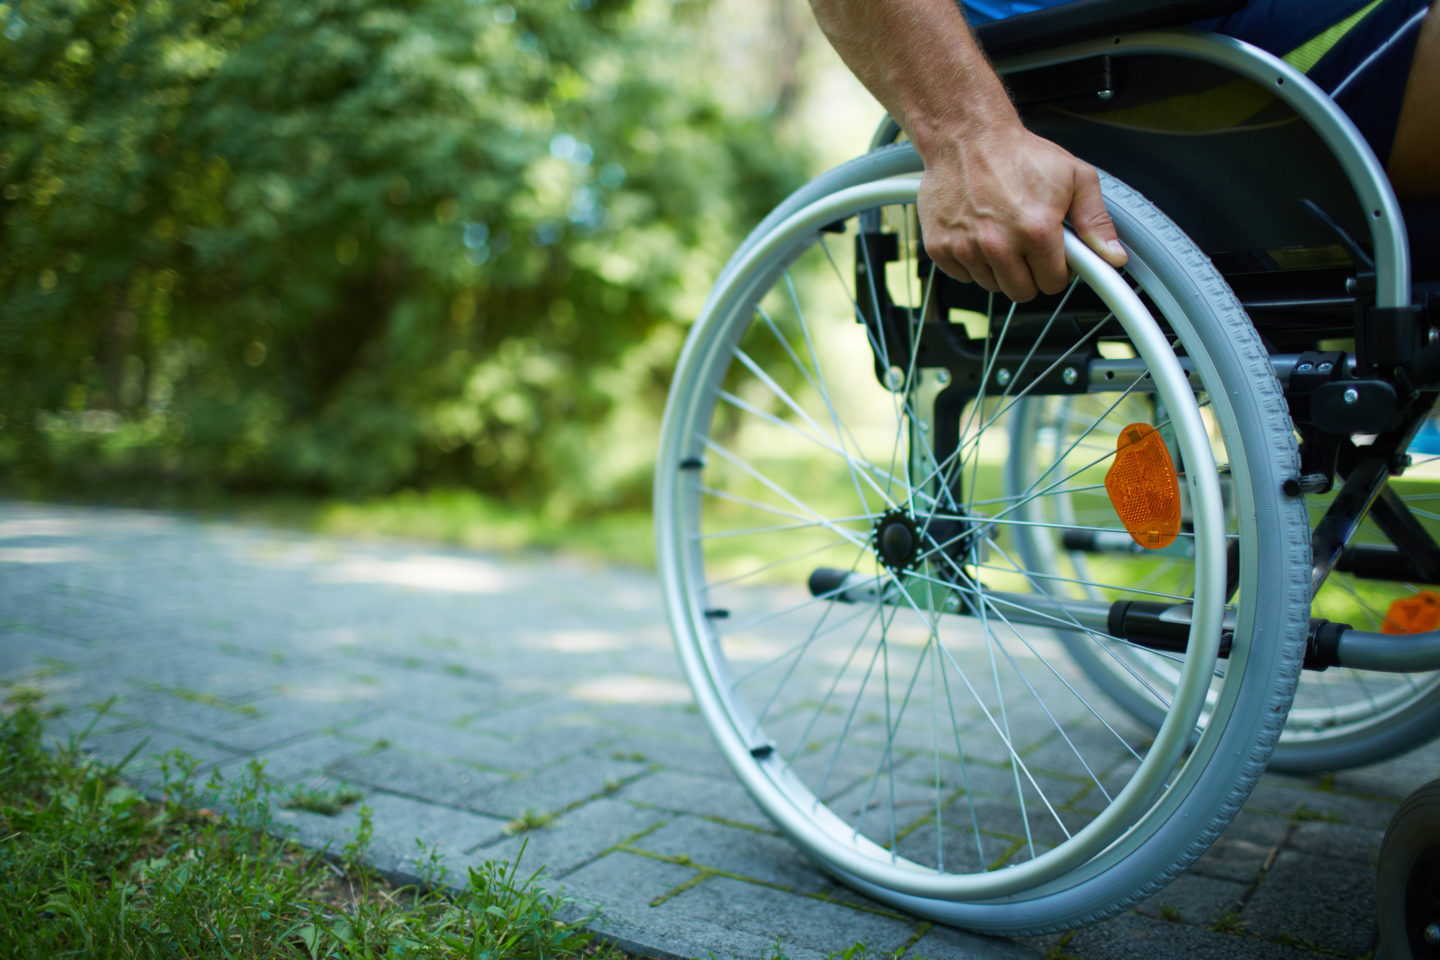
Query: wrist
x=963, y=131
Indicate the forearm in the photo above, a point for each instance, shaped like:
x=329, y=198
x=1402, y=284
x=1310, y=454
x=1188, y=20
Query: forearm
x=919, y=60
x=994, y=195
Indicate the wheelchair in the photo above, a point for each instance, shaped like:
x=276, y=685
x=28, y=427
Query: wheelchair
x=1000, y=610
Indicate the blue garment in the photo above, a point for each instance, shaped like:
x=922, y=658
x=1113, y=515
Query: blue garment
x=983, y=11
x=1365, y=72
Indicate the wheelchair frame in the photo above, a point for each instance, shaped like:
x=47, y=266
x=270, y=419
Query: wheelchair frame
x=1391, y=297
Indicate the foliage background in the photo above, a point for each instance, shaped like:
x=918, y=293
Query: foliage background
x=359, y=247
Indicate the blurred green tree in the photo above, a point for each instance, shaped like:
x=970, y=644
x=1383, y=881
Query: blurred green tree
x=348, y=246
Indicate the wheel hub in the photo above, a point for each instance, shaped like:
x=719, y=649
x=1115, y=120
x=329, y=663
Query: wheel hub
x=896, y=539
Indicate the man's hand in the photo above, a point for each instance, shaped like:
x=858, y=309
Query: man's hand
x=994, y=195
x=991, y=208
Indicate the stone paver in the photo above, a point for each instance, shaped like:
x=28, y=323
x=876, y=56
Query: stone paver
x=489, y=705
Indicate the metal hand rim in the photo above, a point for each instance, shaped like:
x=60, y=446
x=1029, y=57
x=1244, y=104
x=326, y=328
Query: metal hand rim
x=767, y=778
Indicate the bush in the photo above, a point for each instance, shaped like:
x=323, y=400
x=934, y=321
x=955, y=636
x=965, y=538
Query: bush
x=350, y=246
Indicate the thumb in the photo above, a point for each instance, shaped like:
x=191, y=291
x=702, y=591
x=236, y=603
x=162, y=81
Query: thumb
x=1091, y=220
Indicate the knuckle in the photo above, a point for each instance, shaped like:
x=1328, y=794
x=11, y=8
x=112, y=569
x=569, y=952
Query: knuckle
x=1037, y=228
x=993, y=246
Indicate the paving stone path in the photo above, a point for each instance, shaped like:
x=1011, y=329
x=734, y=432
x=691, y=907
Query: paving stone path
x=463, y=692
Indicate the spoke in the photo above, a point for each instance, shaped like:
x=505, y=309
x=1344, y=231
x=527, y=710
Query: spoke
x=1040, y=700
x=866, y=466
x=1103, y=640
x=1109, y=451
x=777, y=614
x=877, y=342
x=855, y=705
x=1038, y=588
x=713, y=584
x=841, y=430
x=991, y=642
x=892, y=723
x=960, y=752
x=887, y=759
x=916, y=332
x=1377, y=617
x=939, y=547
x=946, y=470
x=784, y=396
x=1012, y=400
x=813, y=518
x=1024, y=498
x=973, y=442
x=875, y=610
x=809, y=513
x=775, y=528
x=815, y=632
x=1070, y=623
x=1083, y=436
x=878, y=337
x=1035, y=345
x=1016, y=759
x=935, y=747
x=1099, y=584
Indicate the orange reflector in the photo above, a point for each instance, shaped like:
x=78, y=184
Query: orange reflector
x=1143, y=487
x=1417, y=614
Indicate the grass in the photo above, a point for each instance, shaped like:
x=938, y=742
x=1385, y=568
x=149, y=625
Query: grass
x=531, y=819
x=326, y=802
x=90, y=866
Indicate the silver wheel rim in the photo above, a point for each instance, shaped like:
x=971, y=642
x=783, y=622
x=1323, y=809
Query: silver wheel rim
x=769, y=778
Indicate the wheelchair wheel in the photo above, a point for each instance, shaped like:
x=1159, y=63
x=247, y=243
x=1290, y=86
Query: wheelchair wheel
x=1407, y=881
x=880, y=663
x=1340, y=717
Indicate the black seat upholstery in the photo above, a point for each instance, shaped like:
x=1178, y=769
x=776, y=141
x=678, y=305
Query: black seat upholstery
x=1087, y=19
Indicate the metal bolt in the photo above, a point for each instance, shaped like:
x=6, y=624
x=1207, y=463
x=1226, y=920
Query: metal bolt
x=1325, y=367
x=1105, y=94
x=1069, y=375
x=942, y=377
x=952, y=602
x=1002, y=376
x=1432, y=934
x=1351, y=395
x=895, y=379
x=1303, y=367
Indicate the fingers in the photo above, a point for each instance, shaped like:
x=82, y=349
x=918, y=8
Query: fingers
x=1018, y=263
x=1092, y=221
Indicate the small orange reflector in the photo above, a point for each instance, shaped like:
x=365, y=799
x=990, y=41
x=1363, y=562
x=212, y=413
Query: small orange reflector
x=1417, y=614
x=1143, y=487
